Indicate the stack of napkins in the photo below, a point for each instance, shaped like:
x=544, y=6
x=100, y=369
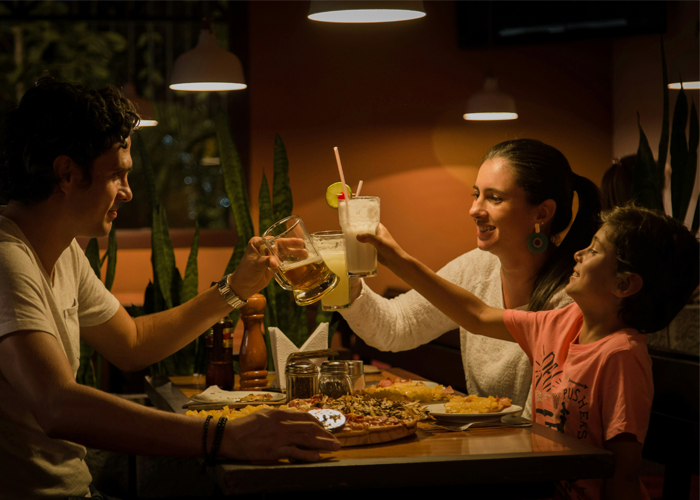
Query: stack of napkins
x=282, y=347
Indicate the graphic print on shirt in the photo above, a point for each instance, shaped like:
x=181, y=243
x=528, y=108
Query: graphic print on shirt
x=548, y=377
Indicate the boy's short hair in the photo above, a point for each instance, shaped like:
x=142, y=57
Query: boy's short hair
x=664, y=253
x=57, y=118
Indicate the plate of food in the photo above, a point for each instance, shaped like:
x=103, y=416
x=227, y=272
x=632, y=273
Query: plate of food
x=367, y=420
x=468, y=408
x=216, y=396
x=409, y=390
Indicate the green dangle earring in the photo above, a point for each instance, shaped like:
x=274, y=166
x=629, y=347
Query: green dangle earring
x=537, y=242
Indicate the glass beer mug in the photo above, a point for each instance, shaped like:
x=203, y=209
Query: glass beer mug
x=302, y=269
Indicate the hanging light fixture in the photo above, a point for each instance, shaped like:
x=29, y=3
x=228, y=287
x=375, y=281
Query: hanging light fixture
x=685, y=68
x=147, y=115
x=365, y=11
x=207, y=67
x=490, y=104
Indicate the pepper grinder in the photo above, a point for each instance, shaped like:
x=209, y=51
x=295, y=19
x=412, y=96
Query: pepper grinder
x=253, y=356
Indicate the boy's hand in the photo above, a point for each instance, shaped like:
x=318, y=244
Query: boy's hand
x=389, y=252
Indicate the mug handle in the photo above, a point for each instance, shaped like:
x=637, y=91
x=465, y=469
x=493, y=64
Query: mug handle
x=282, y=281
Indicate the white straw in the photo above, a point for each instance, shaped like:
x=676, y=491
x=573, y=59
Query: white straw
x=340, y=171
x=359, y=188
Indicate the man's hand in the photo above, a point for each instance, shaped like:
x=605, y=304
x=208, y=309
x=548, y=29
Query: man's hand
x=389, y=252
x=271, y=435
x=254, y=271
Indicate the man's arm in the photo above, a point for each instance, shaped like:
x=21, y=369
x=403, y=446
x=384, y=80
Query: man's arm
x=134, y=343
x=628, y=458
x=36, y=367
x=463, y=307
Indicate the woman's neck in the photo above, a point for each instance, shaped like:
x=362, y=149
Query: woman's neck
x=518, y=274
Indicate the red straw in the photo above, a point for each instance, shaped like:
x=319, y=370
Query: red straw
x=340, y=171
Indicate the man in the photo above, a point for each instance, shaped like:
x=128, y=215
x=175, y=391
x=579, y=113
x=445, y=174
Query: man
x=64, y=166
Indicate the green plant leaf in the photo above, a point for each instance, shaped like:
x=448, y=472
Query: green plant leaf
x=663, y=142
x=111, y=255
x=644, y=187
x=692, y=161
x=234, y=179
x=162, y=255
x=679, y=155
x=190, y=284
x=264, y=206
x=282, y=202
x=92, y=252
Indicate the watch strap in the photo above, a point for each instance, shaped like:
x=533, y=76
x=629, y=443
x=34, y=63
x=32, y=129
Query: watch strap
x=231, y=298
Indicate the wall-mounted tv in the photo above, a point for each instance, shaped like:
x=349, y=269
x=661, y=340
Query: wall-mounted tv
x=535, y=22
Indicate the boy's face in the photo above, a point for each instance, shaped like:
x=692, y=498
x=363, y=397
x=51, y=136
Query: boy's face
x=594, y=281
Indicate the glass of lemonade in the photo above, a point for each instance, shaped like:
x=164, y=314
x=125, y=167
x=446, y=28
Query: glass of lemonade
x=359, y=215
x=302, y=269
x=331, y=246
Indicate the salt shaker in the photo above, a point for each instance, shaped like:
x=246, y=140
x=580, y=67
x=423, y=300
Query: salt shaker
x=334, y=380
x=356, y=370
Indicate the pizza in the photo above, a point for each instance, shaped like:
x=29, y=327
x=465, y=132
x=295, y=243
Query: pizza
x=409, y=390
x=256, y=397
x=476, y=404
x=367, y=419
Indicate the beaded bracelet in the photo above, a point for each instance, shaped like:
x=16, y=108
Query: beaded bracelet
x=218, y=437
x=204, y=440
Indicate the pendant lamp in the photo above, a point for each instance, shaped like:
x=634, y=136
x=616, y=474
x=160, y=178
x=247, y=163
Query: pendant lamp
x=147, y=115
x=207, y=67
x=490, y=104
x=685, y=68
x=365, y=11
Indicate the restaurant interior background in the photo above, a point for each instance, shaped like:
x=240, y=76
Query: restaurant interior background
x=390, y=96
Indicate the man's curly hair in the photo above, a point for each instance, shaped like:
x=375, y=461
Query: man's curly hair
x=664, y=253
x=57, y=118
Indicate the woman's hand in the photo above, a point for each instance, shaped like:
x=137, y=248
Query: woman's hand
x=389, y=252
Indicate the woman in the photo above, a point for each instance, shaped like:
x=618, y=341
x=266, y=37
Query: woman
x=522, y=202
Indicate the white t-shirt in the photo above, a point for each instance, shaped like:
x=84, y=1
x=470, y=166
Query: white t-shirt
x=492, y=367
x=42, y=466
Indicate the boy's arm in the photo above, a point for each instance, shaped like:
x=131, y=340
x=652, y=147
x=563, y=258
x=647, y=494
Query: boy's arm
x=463, y=307
x=628, y=457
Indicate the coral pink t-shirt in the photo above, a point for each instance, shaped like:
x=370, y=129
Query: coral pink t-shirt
x=592, y=392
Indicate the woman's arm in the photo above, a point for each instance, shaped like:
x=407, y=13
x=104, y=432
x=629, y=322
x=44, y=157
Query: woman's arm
x=461, y=306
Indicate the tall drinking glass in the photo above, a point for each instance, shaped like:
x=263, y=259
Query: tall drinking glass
x=359, y=215
x=302, y=269
x=331, y=246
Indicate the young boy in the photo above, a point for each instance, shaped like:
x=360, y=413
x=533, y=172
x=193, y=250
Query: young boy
x=591, y=370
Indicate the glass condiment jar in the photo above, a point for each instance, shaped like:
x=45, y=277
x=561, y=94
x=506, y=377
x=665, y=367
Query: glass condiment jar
x=356, y=371
x=334, y=380
x=302, y=379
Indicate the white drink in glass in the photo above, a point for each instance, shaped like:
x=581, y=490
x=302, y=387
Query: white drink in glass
x=331, y=246
x=359, y=216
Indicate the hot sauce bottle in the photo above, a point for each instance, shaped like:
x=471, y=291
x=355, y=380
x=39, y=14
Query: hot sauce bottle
x=220, y=365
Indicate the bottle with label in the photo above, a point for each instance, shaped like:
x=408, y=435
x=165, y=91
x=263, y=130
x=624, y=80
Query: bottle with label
x=220, y=365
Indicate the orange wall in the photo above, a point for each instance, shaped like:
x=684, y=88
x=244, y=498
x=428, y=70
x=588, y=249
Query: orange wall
x=391, y=97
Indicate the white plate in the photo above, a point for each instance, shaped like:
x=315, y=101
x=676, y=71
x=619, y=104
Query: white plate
x=215, y=395
x=438, y=411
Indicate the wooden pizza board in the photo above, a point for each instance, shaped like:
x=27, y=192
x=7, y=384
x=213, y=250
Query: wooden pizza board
x=377, y=436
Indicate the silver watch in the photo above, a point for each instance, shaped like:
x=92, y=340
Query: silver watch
x=233, y=300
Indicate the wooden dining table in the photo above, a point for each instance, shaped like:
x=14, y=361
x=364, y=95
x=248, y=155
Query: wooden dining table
x=527, y=462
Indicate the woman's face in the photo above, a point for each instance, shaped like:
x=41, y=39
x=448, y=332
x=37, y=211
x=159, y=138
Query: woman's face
x=503, y=217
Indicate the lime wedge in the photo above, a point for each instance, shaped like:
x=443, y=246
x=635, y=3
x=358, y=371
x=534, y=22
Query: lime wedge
x=333, y=191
